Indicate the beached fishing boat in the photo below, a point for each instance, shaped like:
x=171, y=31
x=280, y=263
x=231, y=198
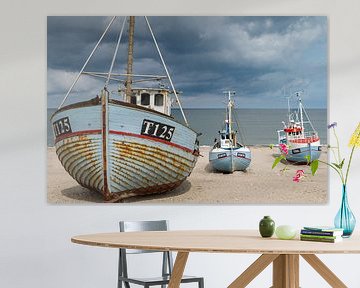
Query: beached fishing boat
x=299, y=135
x=228, y=155
x=125, y=144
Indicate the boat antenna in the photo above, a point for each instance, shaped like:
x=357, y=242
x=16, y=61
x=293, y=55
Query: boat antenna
x=86, y=62
x=166, y=70
x=130, y=59
x=115, y=53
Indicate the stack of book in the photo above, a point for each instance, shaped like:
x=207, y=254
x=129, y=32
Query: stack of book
x=321, y=234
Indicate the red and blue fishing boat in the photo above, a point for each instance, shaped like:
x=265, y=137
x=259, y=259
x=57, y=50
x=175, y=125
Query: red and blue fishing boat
x=299, y=134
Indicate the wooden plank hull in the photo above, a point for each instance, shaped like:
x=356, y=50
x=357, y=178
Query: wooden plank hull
x=138, y=161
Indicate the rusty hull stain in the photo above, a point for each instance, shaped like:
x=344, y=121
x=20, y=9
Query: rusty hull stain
x=137, y=169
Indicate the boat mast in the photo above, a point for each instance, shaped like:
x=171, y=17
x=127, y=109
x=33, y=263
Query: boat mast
x=301, y=110
x=130, y=59
x=229, y=112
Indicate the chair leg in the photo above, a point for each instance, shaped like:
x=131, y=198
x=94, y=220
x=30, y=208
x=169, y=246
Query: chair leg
x=119, y=270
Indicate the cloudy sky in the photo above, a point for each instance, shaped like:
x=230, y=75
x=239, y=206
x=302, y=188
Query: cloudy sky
x=261, y=58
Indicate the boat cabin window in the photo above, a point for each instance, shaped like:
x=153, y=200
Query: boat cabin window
x=159, y=100
x=133, y=100
x=145, y=99
x=223, y=137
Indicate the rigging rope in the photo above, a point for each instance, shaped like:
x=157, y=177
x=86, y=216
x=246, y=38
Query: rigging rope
x=115, y=53
x=242, y=137
x=87, y=61
x=166, y=70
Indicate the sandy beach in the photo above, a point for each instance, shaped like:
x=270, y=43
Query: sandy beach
x=258, y=185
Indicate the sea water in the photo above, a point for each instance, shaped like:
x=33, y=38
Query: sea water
x=256, y=126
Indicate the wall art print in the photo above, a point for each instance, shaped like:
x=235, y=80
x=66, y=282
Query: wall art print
x=186, y=110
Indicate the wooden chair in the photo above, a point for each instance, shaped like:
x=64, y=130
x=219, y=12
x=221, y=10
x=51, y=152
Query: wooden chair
x=167, y=262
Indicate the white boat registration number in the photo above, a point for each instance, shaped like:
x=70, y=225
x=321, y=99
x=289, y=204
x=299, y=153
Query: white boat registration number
x=62, y=126
x=157, y=130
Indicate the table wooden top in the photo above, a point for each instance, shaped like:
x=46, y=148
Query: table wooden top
x=217, y=241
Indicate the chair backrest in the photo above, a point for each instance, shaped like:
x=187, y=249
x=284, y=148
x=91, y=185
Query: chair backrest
x=134, y=226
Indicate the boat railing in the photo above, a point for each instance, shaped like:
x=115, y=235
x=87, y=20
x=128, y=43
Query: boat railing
x=311, y=134
x=307, y=135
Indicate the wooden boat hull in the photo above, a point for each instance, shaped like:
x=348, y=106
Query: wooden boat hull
x=230, y=160
x=138, y=159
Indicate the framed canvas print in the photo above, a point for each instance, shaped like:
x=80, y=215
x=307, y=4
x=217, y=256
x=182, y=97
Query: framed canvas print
x=205, y=110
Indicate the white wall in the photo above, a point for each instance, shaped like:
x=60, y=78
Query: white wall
x=35, y=248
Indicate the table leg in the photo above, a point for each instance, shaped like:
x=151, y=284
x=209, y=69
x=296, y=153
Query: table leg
x=324, y=271
x=178, y=269
x=253, y=270
x=286, y=271
x=293, y=262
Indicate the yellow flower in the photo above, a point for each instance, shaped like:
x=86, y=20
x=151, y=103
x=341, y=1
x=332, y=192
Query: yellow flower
x=355, y=138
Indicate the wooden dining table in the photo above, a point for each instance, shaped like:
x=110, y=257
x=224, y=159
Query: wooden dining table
x=283, y=254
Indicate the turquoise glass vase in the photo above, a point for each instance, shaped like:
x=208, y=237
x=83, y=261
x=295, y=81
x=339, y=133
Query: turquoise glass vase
x=345, y=219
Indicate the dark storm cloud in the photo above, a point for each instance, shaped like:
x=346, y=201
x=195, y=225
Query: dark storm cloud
x=256, y=56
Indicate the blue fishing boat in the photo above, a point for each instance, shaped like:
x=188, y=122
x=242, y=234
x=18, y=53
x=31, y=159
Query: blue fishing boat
x=228, y=155
x=128, y=144
x=299, y=135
